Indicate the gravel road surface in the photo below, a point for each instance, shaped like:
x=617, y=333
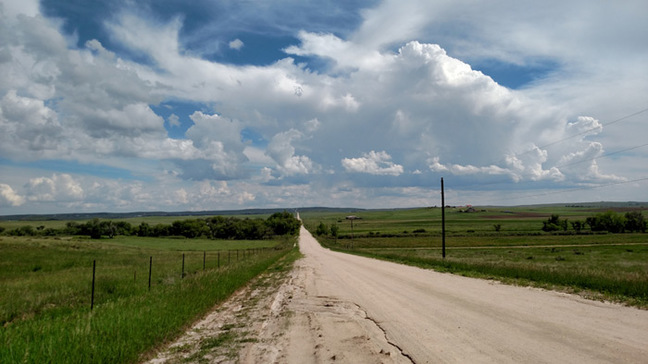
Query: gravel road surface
x=442, y=318
x=339, y=308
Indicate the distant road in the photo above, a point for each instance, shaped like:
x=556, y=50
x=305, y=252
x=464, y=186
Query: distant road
x=443, y=318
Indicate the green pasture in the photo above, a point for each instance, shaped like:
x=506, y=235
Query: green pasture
x=134, y=221
x=408, y=220
x=180, y=244
x=488, y=240
x=605, y=265
x=46, y=284
x=511, y=220
x=616, y=272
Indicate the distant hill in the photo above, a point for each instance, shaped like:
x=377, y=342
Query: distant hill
x=126, y=215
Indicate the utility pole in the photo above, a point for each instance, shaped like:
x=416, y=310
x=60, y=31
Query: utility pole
x=352, y=232
x=443, y=233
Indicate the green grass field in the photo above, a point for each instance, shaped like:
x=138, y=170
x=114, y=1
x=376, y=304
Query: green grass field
x=602, y=265
x=134, y=221
x=46, y=285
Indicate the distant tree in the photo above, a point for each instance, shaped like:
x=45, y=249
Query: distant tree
x=321, y=229
x=93, y=228
x=335, y=231
x=564, y=224
x=613, y=222
x=283, y=223
x=253, y=229
x=217, y=227
x=225, y=228
x=190, y=228
x=2, y=229
x=594, y=223
x=160, y=230
x=107, y=228
x=497, y=227
x=26, y=230
x=578, y=225
x=143, y=229
x=72, y=228
x=51, y=232
x=635, y=221
x=607, y=221
x=552, y=224
x=123, y=228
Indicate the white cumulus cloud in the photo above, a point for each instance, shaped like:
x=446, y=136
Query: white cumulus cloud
x=9, y=197
x=378, y=163
x=282, y=151
x=407, y=77
x=59, y=187
x=236, y=44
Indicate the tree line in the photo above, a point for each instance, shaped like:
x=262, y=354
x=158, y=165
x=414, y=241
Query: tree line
x=609, y=221
x=217, y=227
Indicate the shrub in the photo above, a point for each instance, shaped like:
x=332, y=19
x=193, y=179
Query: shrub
x=321, y=229
x=335, y=230
x=635, y=221
x=283, y=223
x=552, y=224
x=607, y=221
x=578, y=225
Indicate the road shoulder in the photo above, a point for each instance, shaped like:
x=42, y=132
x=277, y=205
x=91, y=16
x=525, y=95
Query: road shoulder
x=277, y=319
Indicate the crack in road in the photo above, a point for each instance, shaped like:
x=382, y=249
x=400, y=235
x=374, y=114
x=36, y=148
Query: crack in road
x=390, y=342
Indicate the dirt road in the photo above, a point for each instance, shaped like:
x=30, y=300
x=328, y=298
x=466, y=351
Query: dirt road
x=339, y=308
x=435, y=318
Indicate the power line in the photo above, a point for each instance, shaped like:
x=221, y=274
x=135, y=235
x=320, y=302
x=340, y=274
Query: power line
x=557, y=166
x=595, y=128
x=556, y=192
x=601, y=156
x=584, y=132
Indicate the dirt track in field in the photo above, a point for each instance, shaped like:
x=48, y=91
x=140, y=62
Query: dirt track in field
x=340, y=308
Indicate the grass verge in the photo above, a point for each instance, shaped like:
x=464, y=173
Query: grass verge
x=120, y=329
x=613, y=273
x=597, y=265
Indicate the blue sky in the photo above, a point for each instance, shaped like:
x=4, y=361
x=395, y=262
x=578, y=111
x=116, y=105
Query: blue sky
x=206, y=105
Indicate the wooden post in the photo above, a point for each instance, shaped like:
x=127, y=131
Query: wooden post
x=443, y=232
x=150, y=270
x=94, y=269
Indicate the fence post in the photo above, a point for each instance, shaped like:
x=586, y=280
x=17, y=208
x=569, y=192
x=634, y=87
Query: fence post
x=150, y=270
x=94, y=268
x=443, y=232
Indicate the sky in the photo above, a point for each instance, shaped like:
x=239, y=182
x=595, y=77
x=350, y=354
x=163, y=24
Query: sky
x=170, y=105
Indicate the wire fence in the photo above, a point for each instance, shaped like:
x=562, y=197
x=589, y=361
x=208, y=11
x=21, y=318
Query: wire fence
x=125, y=276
